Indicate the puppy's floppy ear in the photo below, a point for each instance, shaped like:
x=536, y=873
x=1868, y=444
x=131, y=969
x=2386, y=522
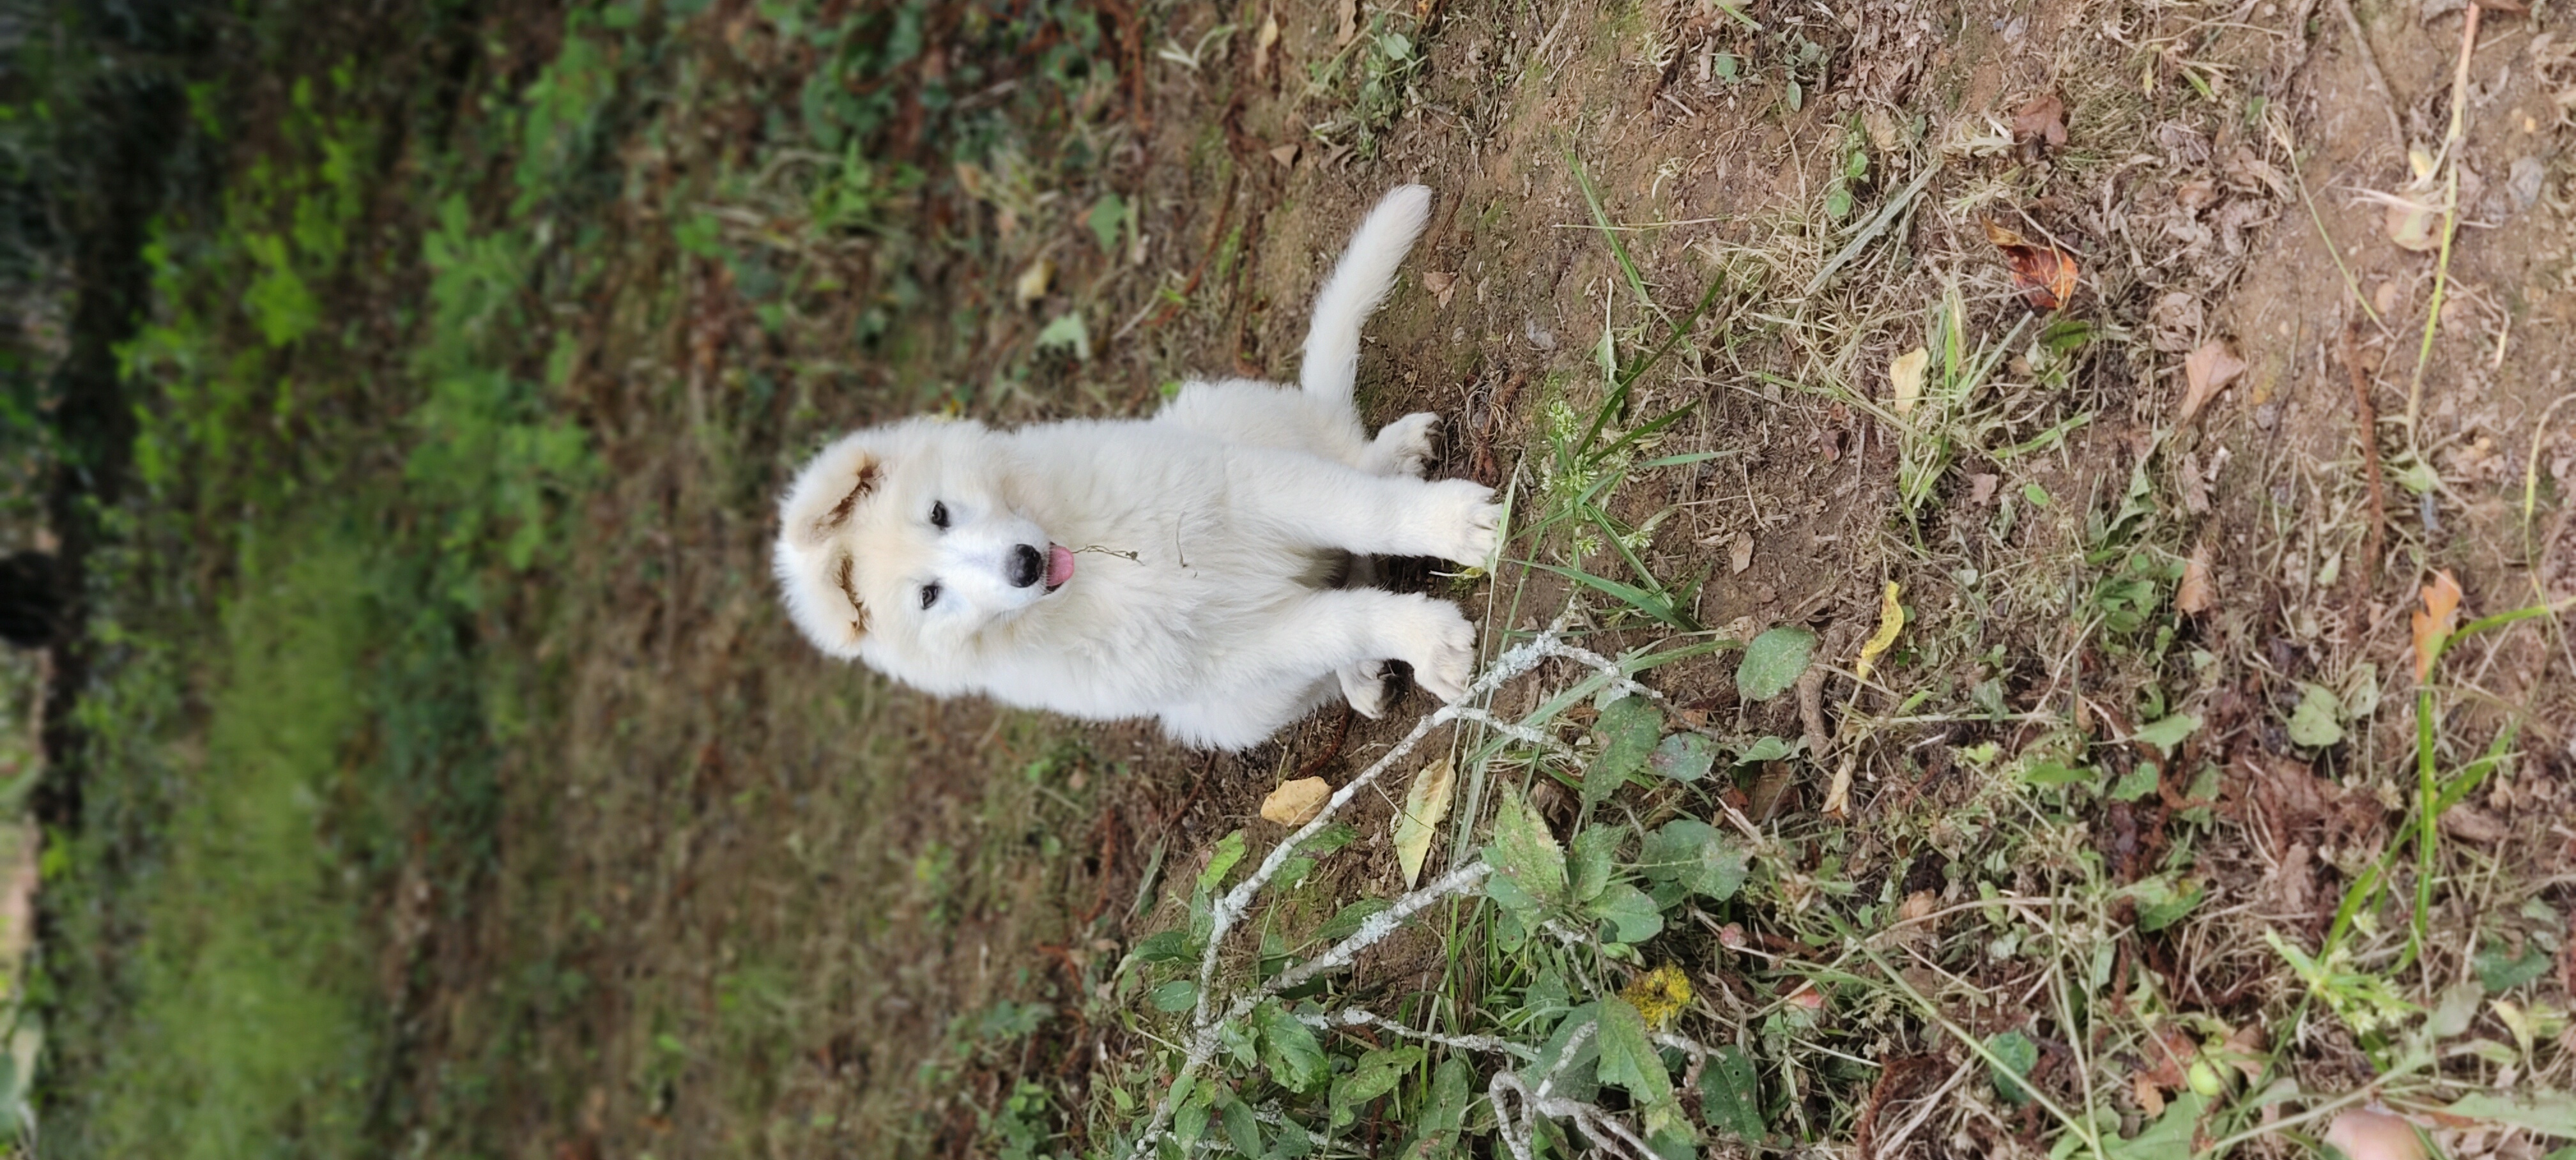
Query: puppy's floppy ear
x=826, y=495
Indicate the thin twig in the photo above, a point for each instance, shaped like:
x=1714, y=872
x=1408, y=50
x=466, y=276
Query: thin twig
x=2366, y=417
x=2378, y=82
x=2450, y=224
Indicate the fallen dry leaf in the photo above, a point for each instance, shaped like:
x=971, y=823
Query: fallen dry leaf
x=1905, y=378
x=1350, y=14
x=2151, y=1098
x=1918, y=906
x=2045, y=275
x=2472, y=824
x=2432, y=623
x=1981, y=488
x=1033, y=283
x=1297, y=802
x=2041, y=120
x=2204, y=372
x=1425, y=807
x=2195, y=595
x=1739, y=553
x=2365, y=1134
x=2411, y=223
x=1285, y=154
x=1806, y=996
x=1442, y=286
x=1838, y=793
x=1262, y=43
x=2244, y=1051
x=1891, y=620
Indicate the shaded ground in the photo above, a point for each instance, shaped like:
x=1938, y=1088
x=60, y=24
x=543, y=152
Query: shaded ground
x=719, y=896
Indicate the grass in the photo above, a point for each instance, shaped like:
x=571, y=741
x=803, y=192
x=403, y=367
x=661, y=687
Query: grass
x=251, y=1007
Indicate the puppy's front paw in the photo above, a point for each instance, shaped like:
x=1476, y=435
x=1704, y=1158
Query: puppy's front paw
x=1403, y=447
x=1470, y=522
x=1364, y=686
x=1443, y=655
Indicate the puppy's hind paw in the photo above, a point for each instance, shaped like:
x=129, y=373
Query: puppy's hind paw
x=1403, y=447
x=1364, y=686
x=1445, y=659
x=1472, y=522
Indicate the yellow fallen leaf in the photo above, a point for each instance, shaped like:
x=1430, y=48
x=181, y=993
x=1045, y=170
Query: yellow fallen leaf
x=2196, y=595
x=1838, y=794
x=1425, y=807
x=1905, y=377
x=1891, y=620
x=2205, y=371
x=1297, y=802
x=2432, y=623
x=1033, y=282
x=1262, y=42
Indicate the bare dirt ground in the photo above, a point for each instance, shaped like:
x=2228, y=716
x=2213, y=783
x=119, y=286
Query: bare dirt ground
x=709, y=935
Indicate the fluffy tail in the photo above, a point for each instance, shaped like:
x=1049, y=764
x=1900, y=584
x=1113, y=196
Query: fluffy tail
x=1358, y=284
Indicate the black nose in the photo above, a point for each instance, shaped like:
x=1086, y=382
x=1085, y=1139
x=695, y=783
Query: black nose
x=1027, y=566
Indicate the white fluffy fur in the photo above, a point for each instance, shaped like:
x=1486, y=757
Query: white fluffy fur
x=1230, y=502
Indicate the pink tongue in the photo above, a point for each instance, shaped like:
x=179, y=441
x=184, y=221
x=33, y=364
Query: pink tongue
x=1059, y=564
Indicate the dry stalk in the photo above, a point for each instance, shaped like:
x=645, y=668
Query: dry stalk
x=2367, y=418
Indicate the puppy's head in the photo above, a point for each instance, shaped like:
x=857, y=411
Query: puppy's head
x=907, y=536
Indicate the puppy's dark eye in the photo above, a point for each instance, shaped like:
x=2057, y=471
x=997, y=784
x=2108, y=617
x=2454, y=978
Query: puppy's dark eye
x=929, y=595
x=938, y=514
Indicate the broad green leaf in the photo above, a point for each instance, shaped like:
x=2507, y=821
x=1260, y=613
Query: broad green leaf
x=2169, y=732
x=2018, y=1055
x=1107, y=214
x=1228, y=851
x=1288, y=1049
x=2136, y=784
x=1160, y=947
x=1730, y=1094
x=2541, y=1113
x=2319, y=720
x=1696, y=855
x=1438, y=1121
x=1377, y=1074
x=2457, y=1009
x=1425, y=807
x=2168, y=1137
x=1628, y=1057
x=1177, y=995
x=1241, y=1129
x=1588, y=861
x=1766, y=749
x=1773, y=662
x=1528, y=864
x=2500, y=972
x=1629, y=728
x=1629, y=912
x=2163, y=900
x=1069, y=333
x=2052, y=772
x=1684, y=757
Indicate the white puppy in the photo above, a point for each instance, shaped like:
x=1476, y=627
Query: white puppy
x=961, y=559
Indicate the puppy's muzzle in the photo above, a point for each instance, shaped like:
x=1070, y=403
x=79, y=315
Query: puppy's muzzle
x=1025, y=566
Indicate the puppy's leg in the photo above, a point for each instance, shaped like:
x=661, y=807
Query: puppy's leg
x=1330, y=635
x=1317, y=504
x=1402, y=447
x=1364, y=686
x=1247, y=717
